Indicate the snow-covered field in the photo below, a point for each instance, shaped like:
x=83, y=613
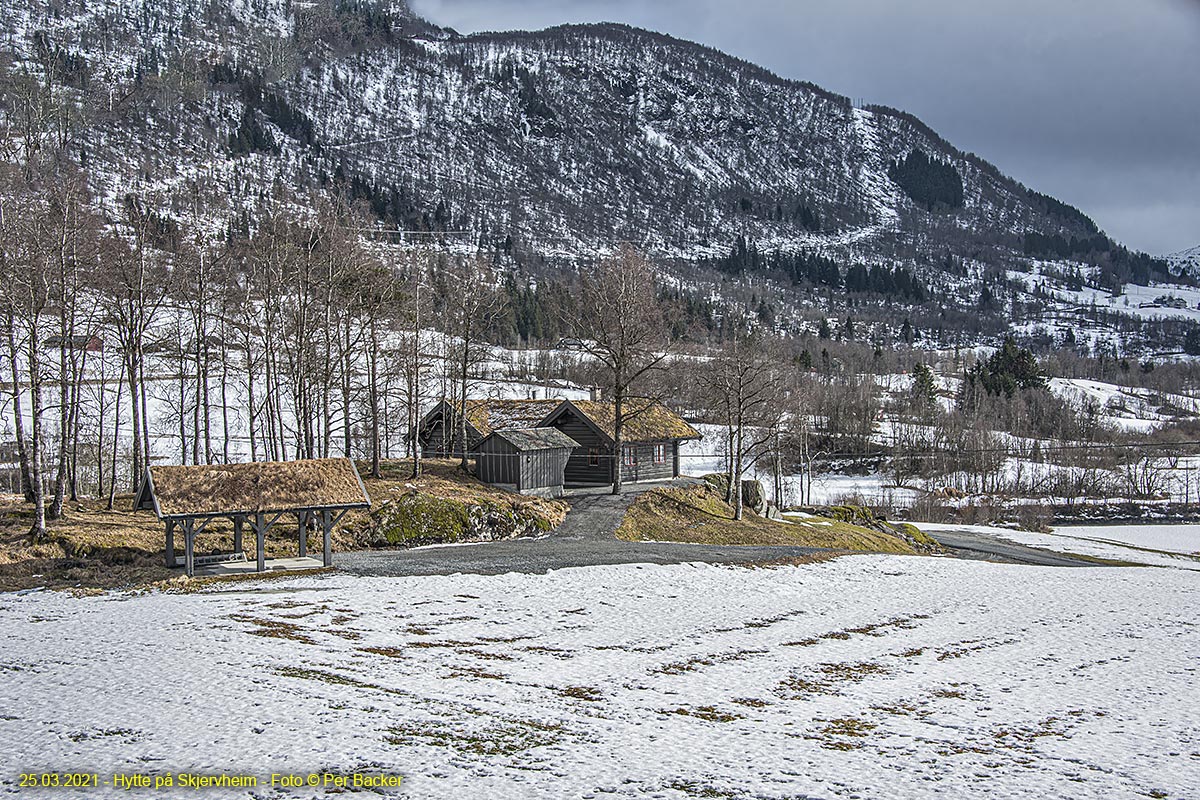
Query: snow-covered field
x=870, y=676
x=1154, y=545
x=1175, y=538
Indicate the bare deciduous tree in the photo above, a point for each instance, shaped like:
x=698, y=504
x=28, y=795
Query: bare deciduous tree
x=623, y=328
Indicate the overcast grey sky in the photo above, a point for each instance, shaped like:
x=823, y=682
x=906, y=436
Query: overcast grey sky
x=1096, y=102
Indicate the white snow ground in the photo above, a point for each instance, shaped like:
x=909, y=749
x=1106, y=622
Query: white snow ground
x=1152, y=545
x=1175, y=538
x=872, y=676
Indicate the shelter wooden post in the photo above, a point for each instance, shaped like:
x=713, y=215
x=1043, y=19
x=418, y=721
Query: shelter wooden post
x=170, y=543
x=303, y=533
x=189, y=544
x=238, y=521
x=326, y=526
x=260, y=540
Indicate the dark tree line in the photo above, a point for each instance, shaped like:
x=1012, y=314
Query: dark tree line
x=927, y=181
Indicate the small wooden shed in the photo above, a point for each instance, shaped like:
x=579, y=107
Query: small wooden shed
x=525, y=460
x=261, y=494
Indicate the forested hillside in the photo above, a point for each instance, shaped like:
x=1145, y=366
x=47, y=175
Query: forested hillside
x=544, y=149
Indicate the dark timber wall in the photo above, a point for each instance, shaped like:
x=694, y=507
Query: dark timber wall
x=433, y=443
x=532, y=471
x=497, y=461
x=580, y=470
x=644, y=468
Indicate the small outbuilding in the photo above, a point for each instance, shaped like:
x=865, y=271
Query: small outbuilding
x=318, y=492
x=525, y=460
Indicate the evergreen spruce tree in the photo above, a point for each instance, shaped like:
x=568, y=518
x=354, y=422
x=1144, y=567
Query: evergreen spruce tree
x=924, y=389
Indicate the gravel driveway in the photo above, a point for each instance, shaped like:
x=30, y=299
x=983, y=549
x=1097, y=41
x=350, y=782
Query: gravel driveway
x=587, y=538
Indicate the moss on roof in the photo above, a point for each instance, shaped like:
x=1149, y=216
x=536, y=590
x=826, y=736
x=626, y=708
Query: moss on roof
x=650, y=420
x=486, y=416
x=257, y=486
x=527, y=439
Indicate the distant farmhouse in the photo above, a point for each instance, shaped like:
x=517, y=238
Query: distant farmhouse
x=92, y=344
x=651, y=440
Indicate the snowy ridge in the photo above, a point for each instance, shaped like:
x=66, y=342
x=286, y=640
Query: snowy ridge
x=1188, y=259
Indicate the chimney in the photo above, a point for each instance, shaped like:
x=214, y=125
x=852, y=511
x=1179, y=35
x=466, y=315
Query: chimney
x=596, y=394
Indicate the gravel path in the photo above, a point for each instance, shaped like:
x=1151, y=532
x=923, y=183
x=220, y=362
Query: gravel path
x=587, y=538
x=966, y=544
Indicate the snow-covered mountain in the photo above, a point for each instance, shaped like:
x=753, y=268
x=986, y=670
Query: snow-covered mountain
x=1186, y=260
x=546, y=147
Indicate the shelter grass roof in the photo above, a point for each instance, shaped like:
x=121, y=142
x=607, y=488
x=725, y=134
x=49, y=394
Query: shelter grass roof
x=651, y=420
x=528, y=439
x=487, y=416
x=266, y=486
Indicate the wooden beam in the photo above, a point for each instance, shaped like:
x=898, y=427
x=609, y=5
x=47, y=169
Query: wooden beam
x=170, y=543
x=341, y=515
x=271, y=522
x=189, y=539
x=260, y=540
x=327, y=525
x=203, y=524
x=238, y=520
x=303, y=515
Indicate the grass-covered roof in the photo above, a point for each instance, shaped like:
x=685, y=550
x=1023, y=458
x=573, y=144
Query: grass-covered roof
x=645, y=420
x=266, y=486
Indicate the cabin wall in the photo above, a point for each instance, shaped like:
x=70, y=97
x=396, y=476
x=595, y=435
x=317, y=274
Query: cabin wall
x=644, y=468
x=579, y=470
x=433, y=445
x=498, y=462
x=543, y=470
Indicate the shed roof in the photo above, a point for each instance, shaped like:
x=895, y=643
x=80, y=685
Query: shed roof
x=651, y=420
x=528, y=439
x=259, y=486
x=498, y=415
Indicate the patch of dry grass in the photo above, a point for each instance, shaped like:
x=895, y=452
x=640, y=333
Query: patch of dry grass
x=589, y=693
x=700, y=515
x=706, y=713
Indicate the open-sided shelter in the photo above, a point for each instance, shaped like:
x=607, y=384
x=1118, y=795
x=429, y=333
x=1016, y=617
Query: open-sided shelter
x=527, y=460
x=260, y=494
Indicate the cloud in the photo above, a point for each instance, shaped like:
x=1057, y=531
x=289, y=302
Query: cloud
x=1093, y=101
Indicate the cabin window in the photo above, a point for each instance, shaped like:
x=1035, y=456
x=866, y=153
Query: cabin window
x=629, y=456
x=660, y=454
x=593, y=456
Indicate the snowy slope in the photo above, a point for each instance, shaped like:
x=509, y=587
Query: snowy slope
x=1189, y=259
x=864, y=677
x=565, y=139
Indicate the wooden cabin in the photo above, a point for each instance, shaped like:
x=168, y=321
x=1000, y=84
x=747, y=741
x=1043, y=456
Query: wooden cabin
x=527, y=460
x=260, y=494
x=438, y=433
x=650, y=447
x=92, y=344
